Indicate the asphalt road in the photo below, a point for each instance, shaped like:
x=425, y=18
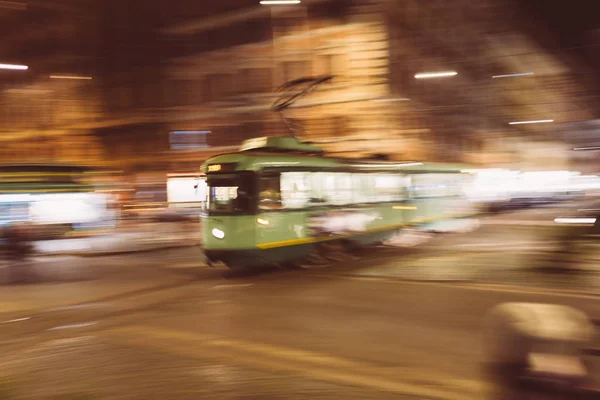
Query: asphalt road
x=397, y=323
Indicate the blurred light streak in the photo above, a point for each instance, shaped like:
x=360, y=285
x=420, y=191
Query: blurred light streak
x=15, y=320
x=479, y=170
x=279, y=2
x=27, y=91
x=14, y=67
x=72, y=326
x=414, y=164
x=540, y=121
x=13, y=5
x=512, y=75
x=427, y=75
x=87, y=78
x=390, y=100
x=586, y=148
x=586, y=221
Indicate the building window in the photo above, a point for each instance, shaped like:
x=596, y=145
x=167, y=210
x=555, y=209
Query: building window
x=294, y=70
x=217, y=86
x=255, y=80
x=332, y=64
x=207, y=94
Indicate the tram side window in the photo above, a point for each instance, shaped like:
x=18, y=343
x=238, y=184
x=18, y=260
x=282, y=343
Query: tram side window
x=317, y=186
x=297, y=190
x=341, y=191
x=390, y=187
x=363, y=188
x=455, y=185
x=333, y=188
x=294, y=189
x=270, y=192
x=430, y=185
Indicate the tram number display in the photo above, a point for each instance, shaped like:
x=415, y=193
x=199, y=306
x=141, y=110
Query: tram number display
x=341, y=222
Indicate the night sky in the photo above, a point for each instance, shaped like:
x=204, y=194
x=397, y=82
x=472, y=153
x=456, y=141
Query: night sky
x=571, y=23
x=568, y=19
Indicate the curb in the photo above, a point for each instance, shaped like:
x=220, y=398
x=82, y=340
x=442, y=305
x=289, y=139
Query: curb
x=407, y=279
x=36, y=311
x=121, y=252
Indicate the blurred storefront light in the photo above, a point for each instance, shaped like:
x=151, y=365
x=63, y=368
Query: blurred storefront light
x=429, y=75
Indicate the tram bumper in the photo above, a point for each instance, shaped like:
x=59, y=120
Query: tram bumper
x=235, y=258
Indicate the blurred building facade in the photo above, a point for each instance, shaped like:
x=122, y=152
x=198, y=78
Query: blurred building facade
x=374, y=104
x=213, y=72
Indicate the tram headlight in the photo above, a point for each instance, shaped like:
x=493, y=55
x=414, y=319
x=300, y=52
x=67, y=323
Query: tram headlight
x=262, y=221
x=219, y=234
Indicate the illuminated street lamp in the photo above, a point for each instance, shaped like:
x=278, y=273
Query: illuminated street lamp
x=14, y=67
x=279, y=2
x=429, y=75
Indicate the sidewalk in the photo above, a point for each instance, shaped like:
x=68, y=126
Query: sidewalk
x=127, y=239
x=46, y=280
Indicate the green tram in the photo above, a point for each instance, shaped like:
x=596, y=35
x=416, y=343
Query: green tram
x=278, y=199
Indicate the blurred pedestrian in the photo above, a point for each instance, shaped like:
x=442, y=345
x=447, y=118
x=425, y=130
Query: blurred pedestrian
x=18, y=249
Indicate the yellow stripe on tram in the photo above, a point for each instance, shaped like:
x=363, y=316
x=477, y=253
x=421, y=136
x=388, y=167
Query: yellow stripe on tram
x=283, y=243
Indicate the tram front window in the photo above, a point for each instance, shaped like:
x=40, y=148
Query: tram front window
x=229, y=195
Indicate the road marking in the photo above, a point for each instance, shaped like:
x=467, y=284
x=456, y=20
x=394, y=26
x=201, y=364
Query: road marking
x=190, y=265
x=15, y=320
x=231, y=286
x=16, y=306
x=469, y=286
x=528, y=290
x=79, y=306
x=72, y=326
x=317, y=366
x=71, y=340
